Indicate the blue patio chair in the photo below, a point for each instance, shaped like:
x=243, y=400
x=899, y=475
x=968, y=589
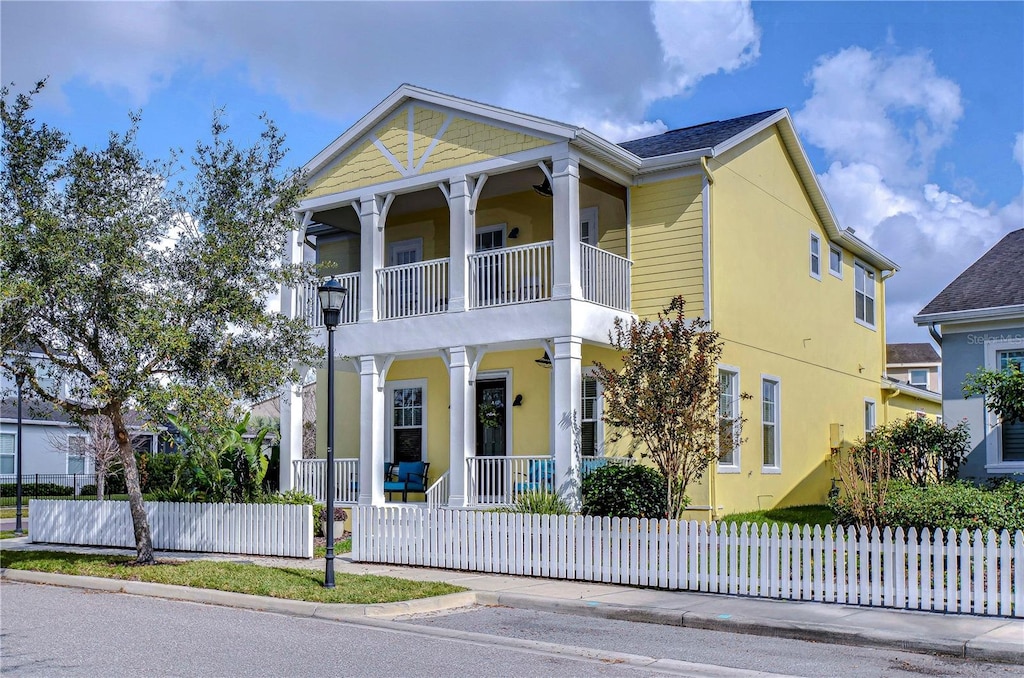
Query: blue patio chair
x=406, y=477
x=540, y=477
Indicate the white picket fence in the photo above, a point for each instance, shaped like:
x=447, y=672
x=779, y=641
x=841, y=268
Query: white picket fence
x=938, y=571
x=253, y=529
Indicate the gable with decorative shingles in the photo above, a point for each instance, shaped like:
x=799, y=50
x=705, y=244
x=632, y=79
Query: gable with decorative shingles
x=418, y=140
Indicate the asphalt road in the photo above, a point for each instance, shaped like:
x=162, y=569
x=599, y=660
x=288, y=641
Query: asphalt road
x=52, y=631
x=775, y=655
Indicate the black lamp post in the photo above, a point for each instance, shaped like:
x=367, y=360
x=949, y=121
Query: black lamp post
x=20, y=379
x=332, y=296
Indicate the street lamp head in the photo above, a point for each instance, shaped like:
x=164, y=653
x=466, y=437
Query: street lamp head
x=332, y=297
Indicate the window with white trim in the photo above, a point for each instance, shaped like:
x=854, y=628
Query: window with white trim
x=728, y=419
x=815, y=256
x=1011, y=435
x=919, y=378
x=835, y=262
x=76, y=462
x=770, y=423
x=408, y=426
x=7, y=445
x=864, y=294
x=869, y=415
x=588, y=225
x=590, y=416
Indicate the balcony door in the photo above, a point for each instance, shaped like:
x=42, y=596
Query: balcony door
x=490, y=272
x=405, y=290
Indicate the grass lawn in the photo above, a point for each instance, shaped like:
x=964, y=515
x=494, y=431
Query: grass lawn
x=11, y=512
x=340, y=546
x=815, y=514
x=277, y=582
x=9, y=534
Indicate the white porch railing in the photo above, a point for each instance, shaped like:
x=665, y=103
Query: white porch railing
x=498, y=481
x=420, y=288
x=310, y=476
x=309, y=305
x=510, y=275
x=438, y=492
x=605, y=277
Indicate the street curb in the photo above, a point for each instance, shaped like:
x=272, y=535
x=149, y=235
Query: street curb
x=973, y=648
x=246, y=601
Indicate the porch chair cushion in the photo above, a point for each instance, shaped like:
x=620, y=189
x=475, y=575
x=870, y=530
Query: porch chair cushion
x=540, y=476
x=406, y=477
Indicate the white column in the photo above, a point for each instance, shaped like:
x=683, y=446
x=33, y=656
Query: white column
x=567, y=366
x=462, y=424
x=291, y=398
x=371, y=256
x=371, y=433
x=566, y=208
x=463, y=242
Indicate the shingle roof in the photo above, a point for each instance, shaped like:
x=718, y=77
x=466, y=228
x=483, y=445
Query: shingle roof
x=902, y=354
x=698, y=136
x=994, y=280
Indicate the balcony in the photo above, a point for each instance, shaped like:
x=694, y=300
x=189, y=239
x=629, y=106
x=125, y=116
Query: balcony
x=510, y=275
x=414, y=289
x=309, y=306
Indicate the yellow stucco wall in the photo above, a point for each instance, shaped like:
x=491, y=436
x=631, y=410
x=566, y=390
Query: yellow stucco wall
x=667, y=241
x=464, y=141
x=775, y=319
x=906, y=405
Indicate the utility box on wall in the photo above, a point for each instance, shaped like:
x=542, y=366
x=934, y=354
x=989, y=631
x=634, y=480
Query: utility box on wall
x=835, y=435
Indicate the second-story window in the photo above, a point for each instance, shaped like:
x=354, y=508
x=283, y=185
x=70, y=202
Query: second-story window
x=919, y=378
x=815, y=256
x=835, y=262
x=864, y=294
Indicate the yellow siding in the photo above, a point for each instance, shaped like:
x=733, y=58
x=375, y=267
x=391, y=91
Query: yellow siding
x=906, y=405
x=611, y=218
x=527, y=211
x=426, y=126
x=343, y=256
x=776, y=319
x=467, y=141
x=362, y=166
x=667, y=245
x=394, y=135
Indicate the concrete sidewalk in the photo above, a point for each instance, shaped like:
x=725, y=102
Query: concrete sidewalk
x=988, y=638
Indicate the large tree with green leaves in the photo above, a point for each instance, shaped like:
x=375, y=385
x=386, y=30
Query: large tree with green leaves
x=666, y=396
x=144, y=294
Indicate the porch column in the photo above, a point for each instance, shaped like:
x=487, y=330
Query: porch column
x=567, y=369
x=461, y=424
x=566, y=187
x=371, y=256
x=462, y=243
x=291, y=398
x=371, y=432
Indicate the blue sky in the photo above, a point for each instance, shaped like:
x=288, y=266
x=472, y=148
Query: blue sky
x=912, y=113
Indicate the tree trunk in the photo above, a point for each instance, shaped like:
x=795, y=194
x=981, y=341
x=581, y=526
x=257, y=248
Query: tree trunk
x=101, y=479
x=143, y=536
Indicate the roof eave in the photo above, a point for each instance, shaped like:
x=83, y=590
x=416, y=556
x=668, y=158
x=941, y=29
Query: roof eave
x=916, y=391
x=1013, y=312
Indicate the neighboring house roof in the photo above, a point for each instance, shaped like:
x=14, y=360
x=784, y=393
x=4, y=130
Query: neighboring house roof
x=910, y=354
x=890, y=384
x=33, y=409
x=992, y=286
x=706, y=135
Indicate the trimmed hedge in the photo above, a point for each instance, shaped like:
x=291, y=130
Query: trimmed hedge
x=36, y=490
x=948, y=506
x=626, y=491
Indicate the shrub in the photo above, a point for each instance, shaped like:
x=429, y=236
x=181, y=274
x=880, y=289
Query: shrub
x=923, y=451
x=544, y=503
x=160, y=471
x=955, y=506
x=87, y=491
x=626, y=491
x=300, y=497
x=36, y=490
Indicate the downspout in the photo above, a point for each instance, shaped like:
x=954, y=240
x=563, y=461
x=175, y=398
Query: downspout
x=882, y=324
x=709, y=180
x=935, y=334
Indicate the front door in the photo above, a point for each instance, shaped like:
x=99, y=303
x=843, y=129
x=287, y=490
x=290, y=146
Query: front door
x=491, y=409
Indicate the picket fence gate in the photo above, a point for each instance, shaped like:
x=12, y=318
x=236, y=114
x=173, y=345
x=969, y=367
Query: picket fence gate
x=251, y=529
x=937, y=571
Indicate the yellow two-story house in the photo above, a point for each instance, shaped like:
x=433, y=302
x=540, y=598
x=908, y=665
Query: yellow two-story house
x=487, y=253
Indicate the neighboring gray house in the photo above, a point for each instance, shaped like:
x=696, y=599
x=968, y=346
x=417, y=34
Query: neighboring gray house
x=978, y=320
x=914, y=364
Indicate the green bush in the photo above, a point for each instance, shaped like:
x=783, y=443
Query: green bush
x=921, y=450
x=36, y=490
x=957, y=506
x=626, y=491
x=160, y=470
x=87, y=491
x=544, y=503
x=300, y=497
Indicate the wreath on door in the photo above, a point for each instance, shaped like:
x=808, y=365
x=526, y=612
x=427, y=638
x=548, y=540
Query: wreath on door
x=490, y=414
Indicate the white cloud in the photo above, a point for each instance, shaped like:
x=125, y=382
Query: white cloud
x=1018, y=149
x=894, y=112
x=600, y=66
x=881, y=118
